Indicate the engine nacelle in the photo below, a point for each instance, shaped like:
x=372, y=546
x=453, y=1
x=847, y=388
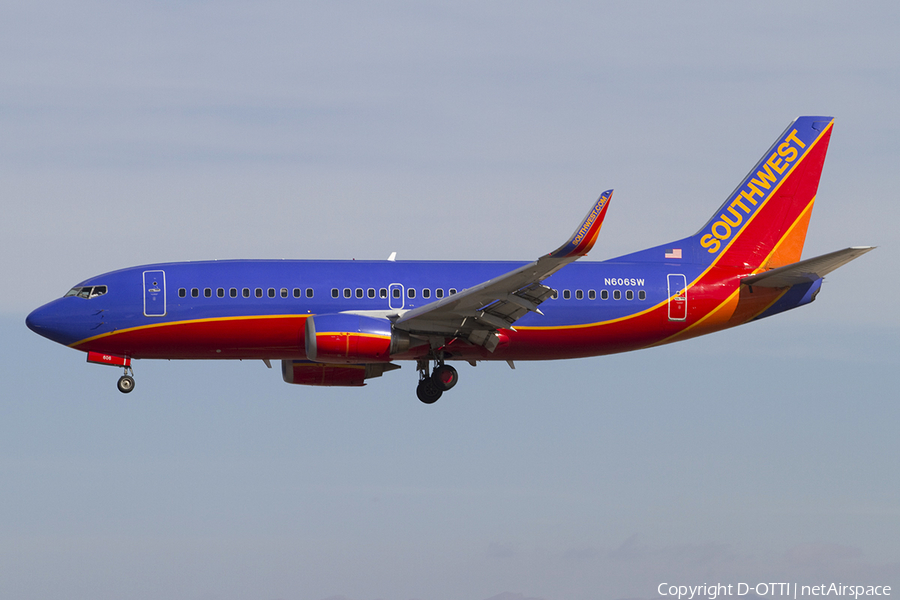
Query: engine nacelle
x=304, y=372
x=352, y=339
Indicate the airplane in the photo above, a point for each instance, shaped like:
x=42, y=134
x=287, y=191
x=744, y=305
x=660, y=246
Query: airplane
x=340, y=323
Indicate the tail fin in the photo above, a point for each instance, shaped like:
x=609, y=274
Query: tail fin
x=763, y=223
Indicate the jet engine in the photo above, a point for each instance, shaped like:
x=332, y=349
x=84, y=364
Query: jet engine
x=352, y=339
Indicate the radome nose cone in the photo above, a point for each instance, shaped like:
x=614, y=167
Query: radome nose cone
x=34, y=321
x=52, y=322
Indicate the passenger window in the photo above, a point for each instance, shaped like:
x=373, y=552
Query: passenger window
x=452, y=291
x=232, y=292
x=411, y=292
x=592, y=294
x=629, y=295
x=426, y=293
x=271, y=292
x=642, y=295
x=617, y=295
x=195, y=293
x=554, y=294
x=347, y=292
x=579, y=295
x=309, y=292
x=567, y=294
x=245, y=292
x=359, y=293
x=382, y=293
x=335, y=293
x=604, y=295
x=181, y=292
x=284, y=293
x=439, y=292
x=207, y=292
x=371, y=292
x=220, y=292
x=395, y=292
x=259, y=293
x=297, y=293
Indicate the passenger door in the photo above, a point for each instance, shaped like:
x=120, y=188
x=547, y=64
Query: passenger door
x=154, y=293
x=677, y=297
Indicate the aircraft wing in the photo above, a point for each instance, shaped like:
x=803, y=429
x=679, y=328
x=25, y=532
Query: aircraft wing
x=806, y=270
x=476, y=313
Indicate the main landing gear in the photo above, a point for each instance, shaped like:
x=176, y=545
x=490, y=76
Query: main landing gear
x=433, y=385
x=126, y=381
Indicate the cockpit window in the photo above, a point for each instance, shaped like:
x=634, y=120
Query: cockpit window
x=89, y=291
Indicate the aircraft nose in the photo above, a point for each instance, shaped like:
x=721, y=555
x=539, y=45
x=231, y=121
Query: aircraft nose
x=37, y=320
x=52, y=322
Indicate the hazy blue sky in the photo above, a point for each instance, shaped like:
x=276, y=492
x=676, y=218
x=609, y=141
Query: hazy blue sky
x=141, y=132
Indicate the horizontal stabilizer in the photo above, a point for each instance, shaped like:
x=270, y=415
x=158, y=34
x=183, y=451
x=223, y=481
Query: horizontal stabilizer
x=806, y=270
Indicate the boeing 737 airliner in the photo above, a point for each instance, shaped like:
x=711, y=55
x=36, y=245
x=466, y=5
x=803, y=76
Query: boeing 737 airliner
x=339, y=323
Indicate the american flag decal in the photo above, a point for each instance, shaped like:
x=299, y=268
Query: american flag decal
x=673, y=253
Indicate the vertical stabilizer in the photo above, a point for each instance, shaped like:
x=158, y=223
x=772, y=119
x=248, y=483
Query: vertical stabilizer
x=762, y=225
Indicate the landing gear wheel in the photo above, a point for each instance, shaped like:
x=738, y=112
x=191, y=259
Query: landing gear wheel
x=444, y=377
x=125, y=384
x=428, y=392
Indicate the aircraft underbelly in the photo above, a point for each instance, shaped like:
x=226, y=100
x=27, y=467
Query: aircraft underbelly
x=273, y=337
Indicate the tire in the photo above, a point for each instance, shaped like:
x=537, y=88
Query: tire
x=125, y=384
x=445, y=377
x=428, y=392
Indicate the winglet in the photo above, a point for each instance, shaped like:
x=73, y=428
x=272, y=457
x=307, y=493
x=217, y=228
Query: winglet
x=584, y=237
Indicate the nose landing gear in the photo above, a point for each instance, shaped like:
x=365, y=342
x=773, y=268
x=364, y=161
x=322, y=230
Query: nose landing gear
x=432, y=385
x=126, y=381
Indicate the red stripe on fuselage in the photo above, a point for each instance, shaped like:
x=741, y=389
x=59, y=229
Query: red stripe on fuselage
x=274, y=337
